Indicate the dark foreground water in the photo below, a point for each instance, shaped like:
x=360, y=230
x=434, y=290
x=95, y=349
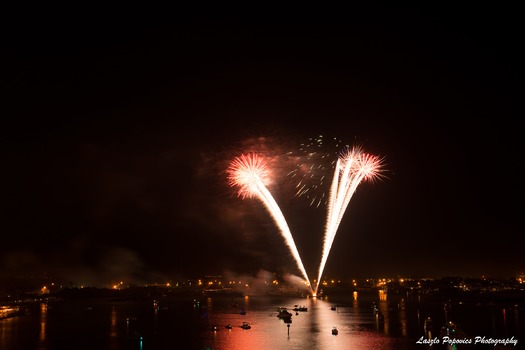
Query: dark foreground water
x=188, y=323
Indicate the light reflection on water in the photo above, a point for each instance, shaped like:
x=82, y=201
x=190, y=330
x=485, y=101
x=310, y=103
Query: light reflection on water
x=364, y=321
x=6, y=331
x=42, y=345
x=309, y=330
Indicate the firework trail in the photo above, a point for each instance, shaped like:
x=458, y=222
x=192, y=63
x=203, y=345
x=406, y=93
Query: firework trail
x=247, y=172
x=352, y=167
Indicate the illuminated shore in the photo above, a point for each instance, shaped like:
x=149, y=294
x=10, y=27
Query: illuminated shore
x=10, y=311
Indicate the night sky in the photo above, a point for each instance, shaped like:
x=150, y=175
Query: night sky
x=118, y=127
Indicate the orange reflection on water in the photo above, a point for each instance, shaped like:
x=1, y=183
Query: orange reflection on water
x=310, y=330
x=43, y=321
x=383, y=311
x=113, y=329
x=6, y=329
x=42, y=345
x=403, y=317
x=238, y=339
x=113, y=335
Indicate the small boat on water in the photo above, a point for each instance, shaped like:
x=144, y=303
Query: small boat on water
x=300, y=308
x=284, y=313
x=245, y=325
x=335, y=331
x=333, y=308
x=229, y=326
x=452, y=329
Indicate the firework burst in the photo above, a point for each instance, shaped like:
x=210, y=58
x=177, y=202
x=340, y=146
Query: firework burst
x=247, y=172
x=352, y=167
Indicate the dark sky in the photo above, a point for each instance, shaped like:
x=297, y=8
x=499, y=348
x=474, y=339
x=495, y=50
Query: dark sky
x=118, y=126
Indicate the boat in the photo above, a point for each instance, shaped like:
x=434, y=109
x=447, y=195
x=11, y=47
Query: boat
x=452, y=330
x=300, y=308
x=229, y=326
x=333, y=308
x=245, y=325
x=283, y=313
x=335, y=331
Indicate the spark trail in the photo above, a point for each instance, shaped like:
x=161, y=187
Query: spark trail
x=247, y=172
x=352, y=167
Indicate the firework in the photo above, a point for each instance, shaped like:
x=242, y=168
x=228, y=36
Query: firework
x=352, y=167
x=314, y=160
x=247, y=172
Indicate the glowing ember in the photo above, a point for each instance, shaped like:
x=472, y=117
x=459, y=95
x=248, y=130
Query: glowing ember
x=315, y=159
